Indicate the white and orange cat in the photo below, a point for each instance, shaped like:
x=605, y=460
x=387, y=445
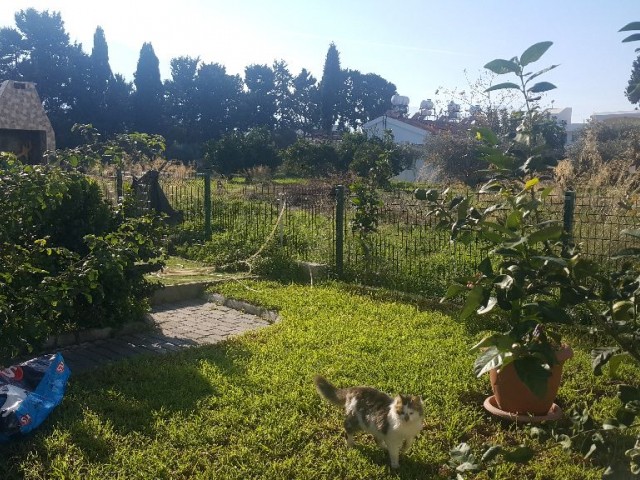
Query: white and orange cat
x=393, y=422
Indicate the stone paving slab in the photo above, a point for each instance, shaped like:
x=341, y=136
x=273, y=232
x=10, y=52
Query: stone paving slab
x=178, y=325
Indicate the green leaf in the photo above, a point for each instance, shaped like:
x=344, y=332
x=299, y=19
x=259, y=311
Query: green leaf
x=625, y=418
x=474, y=300
x=485, y=267
x=491, y=236
x=488, y=307
x=547, y=233
x=617, y=360
x=502, y=86
x=628, y=393
x=532, y=374
x=519, y=455
x=503, y=282
x=541, y=72
x=490, y=187
x=545, y=193
x=534, y=52
x=565, y=441
x=630, y=26
x=454, y=290
x=600, y=356
x=489, y=359
x=514, y=220
x=491, y=453
x=501, y=66
x=542, y=87
x=632, y=38
x=592, y=450
x=487, y=136
x=560, y=262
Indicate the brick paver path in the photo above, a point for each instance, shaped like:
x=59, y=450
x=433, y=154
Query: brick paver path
x=179, y=325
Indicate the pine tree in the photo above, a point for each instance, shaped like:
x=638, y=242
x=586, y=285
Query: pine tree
x=330, y=87
x=632, y=91
x=148, y=97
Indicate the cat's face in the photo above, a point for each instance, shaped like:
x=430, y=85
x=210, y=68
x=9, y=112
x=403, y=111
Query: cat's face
x=409, y=407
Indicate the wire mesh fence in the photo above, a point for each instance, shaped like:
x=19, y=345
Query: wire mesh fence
x=407, y=252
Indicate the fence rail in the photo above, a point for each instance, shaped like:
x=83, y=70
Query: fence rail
x=408, y=252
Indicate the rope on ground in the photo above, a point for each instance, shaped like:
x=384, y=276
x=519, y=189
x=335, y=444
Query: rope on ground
x=249, y=261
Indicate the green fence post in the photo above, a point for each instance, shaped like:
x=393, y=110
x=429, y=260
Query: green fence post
x=207, y=205
x=339, y=230
x=567, y=218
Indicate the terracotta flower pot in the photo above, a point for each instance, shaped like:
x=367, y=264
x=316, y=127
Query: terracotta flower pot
x=512, y=395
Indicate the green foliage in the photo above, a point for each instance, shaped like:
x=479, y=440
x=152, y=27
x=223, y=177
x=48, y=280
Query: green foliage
x=330, y=86
x=632, y=91
x=363, y=97
x=373, y=158
x=237, y=151
x=528, y=273
x=307, y=159
x=67, y=261
x=148, y=96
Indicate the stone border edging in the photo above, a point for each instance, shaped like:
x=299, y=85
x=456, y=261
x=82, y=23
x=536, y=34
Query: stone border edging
x=93, y=334
x=269, y=315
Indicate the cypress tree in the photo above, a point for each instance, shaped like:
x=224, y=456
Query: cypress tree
x=100, y=77
x=330, y=87
x=147, y=99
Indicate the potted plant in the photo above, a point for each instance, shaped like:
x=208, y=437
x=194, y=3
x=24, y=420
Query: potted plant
x=528, y=272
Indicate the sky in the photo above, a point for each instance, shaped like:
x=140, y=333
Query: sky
x=427, y=48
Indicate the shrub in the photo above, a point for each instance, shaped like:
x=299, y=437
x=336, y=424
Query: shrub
x=306, y=158
x=237, y=151
x=66, y=260
x=43, y=202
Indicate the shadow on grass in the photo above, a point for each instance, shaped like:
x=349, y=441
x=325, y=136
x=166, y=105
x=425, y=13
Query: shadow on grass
x=409, y=469
x=135, y=396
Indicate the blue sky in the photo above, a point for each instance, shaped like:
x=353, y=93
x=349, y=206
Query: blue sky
x=420, y=46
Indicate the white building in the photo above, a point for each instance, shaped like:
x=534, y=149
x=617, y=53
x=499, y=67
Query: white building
x=404, y=131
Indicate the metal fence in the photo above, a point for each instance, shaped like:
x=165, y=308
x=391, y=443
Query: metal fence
x=407, y=252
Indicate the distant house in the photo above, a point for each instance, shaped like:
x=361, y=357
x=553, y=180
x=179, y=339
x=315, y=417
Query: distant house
x=562, y=116
x=404, y=131
x=25, y=128
x=411, y=131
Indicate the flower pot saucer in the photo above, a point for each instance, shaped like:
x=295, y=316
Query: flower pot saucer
x=555, y=413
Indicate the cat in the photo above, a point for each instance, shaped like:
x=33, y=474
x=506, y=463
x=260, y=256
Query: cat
x=393, y=422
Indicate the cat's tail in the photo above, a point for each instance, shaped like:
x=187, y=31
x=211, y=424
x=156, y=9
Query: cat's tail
x=328, y=391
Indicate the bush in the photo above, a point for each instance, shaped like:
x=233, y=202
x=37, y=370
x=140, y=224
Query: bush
x=306, y=158
x=67, y=261
x=43, y=202
x=237, y=151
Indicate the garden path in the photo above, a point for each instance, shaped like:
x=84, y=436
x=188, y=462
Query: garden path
x=178, y=325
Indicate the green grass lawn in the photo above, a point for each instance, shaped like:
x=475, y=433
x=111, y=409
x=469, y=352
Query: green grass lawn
x=246, y=408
